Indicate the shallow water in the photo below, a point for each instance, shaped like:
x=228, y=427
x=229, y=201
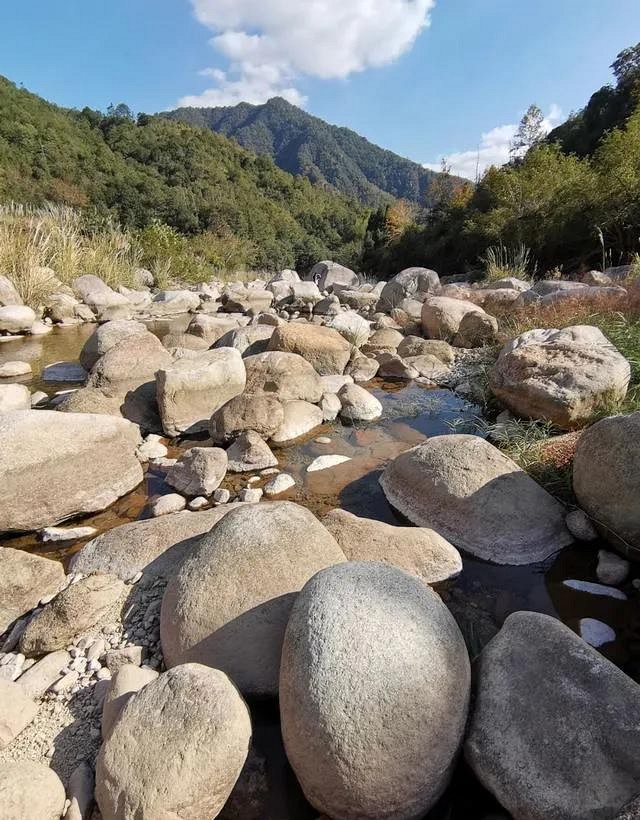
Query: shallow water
x=480, y=599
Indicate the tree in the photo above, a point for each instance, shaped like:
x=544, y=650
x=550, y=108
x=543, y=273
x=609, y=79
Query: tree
x=626, y=66
x=121, y=110
x=531, y=132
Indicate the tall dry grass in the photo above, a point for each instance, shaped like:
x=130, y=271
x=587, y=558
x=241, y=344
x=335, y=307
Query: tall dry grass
x=46, y=247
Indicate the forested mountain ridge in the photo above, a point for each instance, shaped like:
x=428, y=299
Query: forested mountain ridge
x=303, y=144
x=156, y=170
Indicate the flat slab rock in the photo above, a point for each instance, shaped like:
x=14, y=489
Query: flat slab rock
x=24, y=580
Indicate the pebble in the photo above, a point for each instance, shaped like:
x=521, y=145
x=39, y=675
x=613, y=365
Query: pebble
x=10, y=370
x=253, y=479
x=595, y=589
x=580, y=526
x=198, y=503
x=134, y=578
x=280, y=484
x=612, y=569
x=596, y=633
x=324, y=462
x=222, y=496
x=167, y=504
x=270, y=471
x=250, y=496
x=322, y=440
x=66, y=533
x=149, y=450
x=38, y=398
x=66, y=682
x=104, y=674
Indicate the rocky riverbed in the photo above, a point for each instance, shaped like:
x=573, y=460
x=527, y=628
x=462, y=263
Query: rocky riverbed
x=278, y=446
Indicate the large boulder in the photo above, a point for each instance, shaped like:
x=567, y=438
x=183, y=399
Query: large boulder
x=472, y=494
x=174, y=302
x=184, y=765
x=16, y=319
x=324, y=348
x=247, y=300
x=17, y=710
x=107, y=336
x=332, y=276
x=418, y=550
x=300, y=417
x=260, y=412
x=75, y=610
x=191, y=390
x=228, y=604
x=247, y=340
x=287, y=376
x=417, y=346
x=154, y=546
x=24, y=580
x=30, y=791
x=411, y=283
x=211, y=328
x=555, y=730
x=105, y=303
x=476, y=330
x=374, y=691
x=49, y=470
x=442, y=316
x=129, y=363
x=8, y=293
x=606, y=478
x=564, y=376
x=358, y=404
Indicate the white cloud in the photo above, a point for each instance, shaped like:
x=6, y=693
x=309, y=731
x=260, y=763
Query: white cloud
x=272, y=43
x=493, y=148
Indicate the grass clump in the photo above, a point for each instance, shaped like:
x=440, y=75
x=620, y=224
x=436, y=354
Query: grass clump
x=501, y=262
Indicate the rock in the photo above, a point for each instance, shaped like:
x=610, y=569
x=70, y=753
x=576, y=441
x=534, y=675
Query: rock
x=332, y=384
x=325, y=462
x=222, y=496
x=329, y=306
x=81, y=788
x=300, y=417
x=228, y=604
x=352, y=326
x=204, y=733
x=75, y=610
x=39, y=399
x=418, y=550
x=476, y=330
x=248, y=300
x=286, y=376
x=260, y=412
x=611, y=569
x=330, y=406
x=14, y=397
x=417, y=346
x=305, y=294
x=128, y=680
x=442, y=316
x=151, y=448
x=412, y=283
x=211, y=328
x=580, y=526
x=115, y=659
x=11, y=370
x=17, y=710
x=595, y=633
x=16, y=319
x=199, y=471
x=362, y=368
x=24, y=580
x=249, y=452
x=43, y=674
x=104, y=302
x=331, y=276
x=563, y=376
x=107, y=336
x=594, y=589
x=324, y=348
x=177, y=343
x=130, y=363
x=64, y=372
x=373, y=709
x=535, y=680
x=428, y=367
x=359, y=299
x=385, y=339
x=606, y=478
x=249, y=495
x=48, y=470
x=174, y=302
x=30, y=791
x=154, y=546
x=474, y=496
x=190, y=391
x=8, y=293
x=61, y=308
x=57, y=534
x=393, y=367
x=279, y=484
x=248, y=341
x=166, y=504
x=358, y=404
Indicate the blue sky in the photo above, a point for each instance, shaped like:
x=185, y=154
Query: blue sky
x=425, y=79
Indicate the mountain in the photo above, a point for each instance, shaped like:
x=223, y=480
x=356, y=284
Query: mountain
x=155, y=169
x=302, y=144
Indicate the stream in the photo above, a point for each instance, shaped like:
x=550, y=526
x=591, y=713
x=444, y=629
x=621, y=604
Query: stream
x=480, y=598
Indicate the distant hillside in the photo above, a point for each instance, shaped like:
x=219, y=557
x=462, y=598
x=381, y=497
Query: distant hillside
x=154, y=169
x=327, y=154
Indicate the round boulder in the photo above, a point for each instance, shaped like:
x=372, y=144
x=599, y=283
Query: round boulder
x=260, y=412
x=30, y=791
x=287, y=376
x=199, y=471
x=107, y=336
x=324, y=348
x=374, y=691
x=358, y=404
x=476, y=497
x=606, y=478
x=442, y=316
x=182, y=765
x=229, y=602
